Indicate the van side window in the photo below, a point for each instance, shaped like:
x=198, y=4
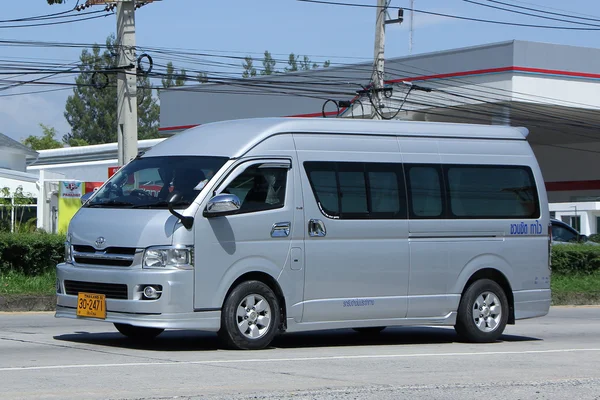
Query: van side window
x=259, y=188
x=353, y=188
x=349, y=190
x=489, y=191
x=425, y=191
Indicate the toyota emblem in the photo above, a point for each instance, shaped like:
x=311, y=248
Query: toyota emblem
x=100, y=241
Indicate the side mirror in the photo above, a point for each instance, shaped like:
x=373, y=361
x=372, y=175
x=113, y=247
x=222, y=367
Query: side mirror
x=187, y=222
x=222, y=204
x=85, y=197
x=583, y=238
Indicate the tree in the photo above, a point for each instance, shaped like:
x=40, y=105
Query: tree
x=248, y=66
x=91, y=110
x=173, y=78
x=72, y=141
x=56, y=1
x=268, y=64
x=202, y=77
x=46, y=141
x=294, y=64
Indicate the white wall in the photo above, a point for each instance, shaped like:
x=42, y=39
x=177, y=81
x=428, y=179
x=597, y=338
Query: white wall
x=559, y=90
x=29, y=187
x=14, y=161
x=91, y=171
x=586, y=211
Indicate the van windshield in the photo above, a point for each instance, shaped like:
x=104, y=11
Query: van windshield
x=149, y=182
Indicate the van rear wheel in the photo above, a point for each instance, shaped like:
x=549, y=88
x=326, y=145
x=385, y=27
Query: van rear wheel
x=250, y=317
x=482, y=312
x=138, y=332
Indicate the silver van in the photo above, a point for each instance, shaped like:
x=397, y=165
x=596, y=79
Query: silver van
x=250, y=228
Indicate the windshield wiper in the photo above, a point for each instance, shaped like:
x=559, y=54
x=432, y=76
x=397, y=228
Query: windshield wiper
x=161, y=204
x=110, y=203
x=152, y=205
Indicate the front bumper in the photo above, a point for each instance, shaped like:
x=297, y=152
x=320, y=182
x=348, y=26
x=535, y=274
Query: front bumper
x=173, y=310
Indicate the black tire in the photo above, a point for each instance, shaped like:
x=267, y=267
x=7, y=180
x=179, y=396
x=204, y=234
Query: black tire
x=236, y=331
x=371, y=330
x=138, y=332
x=493, y=321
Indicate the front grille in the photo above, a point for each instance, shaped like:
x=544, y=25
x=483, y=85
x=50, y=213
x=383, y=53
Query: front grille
x=95, y=261
x=110, y=290
x=111, y=256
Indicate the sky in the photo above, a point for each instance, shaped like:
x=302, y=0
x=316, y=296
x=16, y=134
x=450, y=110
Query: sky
x=341, y=34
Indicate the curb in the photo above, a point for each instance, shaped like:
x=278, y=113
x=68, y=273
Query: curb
x=27, y=303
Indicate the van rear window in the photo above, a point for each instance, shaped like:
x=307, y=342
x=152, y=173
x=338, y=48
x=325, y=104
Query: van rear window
x=484, y=191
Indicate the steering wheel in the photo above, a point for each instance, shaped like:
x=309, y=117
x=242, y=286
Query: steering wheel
x=140, y=193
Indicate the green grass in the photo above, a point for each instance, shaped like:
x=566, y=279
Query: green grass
x=15, y=283
x=577, y=283
x=566, y=289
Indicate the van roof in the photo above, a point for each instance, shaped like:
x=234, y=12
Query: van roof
x=235, y=137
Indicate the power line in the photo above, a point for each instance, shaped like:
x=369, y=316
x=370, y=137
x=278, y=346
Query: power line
x=59, y=22
x=526, y=13
x=34, y=92
x=544, y=11
x=37, y=17
x=458, y=16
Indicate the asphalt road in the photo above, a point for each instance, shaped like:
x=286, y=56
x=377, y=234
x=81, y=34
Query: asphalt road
x=554, y=357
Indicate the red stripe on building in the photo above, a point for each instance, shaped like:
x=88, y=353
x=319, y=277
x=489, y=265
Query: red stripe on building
x=572, y=185
x=453, y=74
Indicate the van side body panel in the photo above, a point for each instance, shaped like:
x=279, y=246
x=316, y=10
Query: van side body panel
x=359, y=270
x=521, y=257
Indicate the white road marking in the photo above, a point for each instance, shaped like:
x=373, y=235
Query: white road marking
x=326, y=358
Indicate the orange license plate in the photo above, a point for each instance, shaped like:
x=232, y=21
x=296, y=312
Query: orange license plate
x=91, y=305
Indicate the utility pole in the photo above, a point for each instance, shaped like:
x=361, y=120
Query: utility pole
x=126, y=82
x=410, y=35
x=378, y=59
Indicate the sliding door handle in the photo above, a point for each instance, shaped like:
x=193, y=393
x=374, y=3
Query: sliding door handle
x=316, y=228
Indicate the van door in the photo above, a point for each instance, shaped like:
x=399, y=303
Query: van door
x=429, y=236
x=257, y=238
x=356, y=248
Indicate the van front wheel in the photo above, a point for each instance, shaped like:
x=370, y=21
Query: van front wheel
x=482, y=312
x=250, y=317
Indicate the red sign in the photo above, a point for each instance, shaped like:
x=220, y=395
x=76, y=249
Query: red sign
x=92, y=186
x=112, y=171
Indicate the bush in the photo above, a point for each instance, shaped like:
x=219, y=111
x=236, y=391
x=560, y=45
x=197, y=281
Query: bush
x=575, y=259
x=594, y=238
x=30, y=254
x=33, y=254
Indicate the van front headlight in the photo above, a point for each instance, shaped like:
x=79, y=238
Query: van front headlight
x=169, y=257
x=68, y=250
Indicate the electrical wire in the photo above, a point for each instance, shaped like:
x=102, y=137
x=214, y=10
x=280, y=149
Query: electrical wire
x=59, y=22
x=564, y=15
x=528, y=14
x=33, y=18
x=280, y=85
x=457, y=16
